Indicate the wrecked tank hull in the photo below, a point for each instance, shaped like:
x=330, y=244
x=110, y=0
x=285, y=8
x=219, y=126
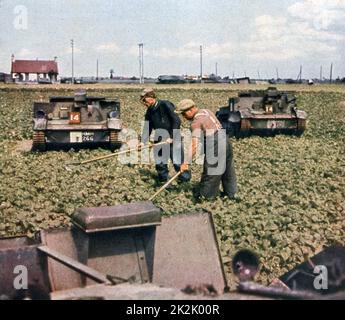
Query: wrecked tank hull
x=76, y=122
x=263, y=113
x=132, y=252
x=128, y=244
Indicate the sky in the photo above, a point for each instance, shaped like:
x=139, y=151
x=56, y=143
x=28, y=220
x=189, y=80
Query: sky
x=243, y=37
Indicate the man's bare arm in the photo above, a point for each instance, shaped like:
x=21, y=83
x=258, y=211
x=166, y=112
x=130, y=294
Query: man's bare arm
x=190, y=154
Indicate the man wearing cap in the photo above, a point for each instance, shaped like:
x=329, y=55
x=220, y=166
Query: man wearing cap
x=161, y=117
x=218, y=163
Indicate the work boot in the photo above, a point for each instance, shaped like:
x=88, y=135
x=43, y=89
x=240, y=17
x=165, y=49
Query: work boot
x=184, y=177
x=163, y=178
x=225, y=195
x=232, y=198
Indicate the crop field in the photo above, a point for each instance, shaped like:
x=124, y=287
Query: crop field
x=291, y=199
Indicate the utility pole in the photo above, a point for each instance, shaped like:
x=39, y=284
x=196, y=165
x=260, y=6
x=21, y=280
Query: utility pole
x=201, y=63
x=321, y=74
x=277, y=72
x=72, y=45
x=299, y=76
x=97, y=70
x=216, y=69
x=259, y=78
x=141, y=63
x=331, y=74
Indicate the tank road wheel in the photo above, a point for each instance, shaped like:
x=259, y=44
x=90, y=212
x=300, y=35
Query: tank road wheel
x=39, y=141
x=114, y=140
x=244, y=130
x=301, y=126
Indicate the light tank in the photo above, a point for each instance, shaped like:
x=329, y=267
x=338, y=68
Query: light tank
x=76, y=122
x=263, y=113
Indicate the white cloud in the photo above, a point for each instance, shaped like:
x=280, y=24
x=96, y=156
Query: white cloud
x=295, y=35
x=277, y=38
x=223, y=50
x=312, y=28
x=68, y=51
x=134, y=51
x=321, y=14
x=108, y=47
x=189, y=50
x=192, y=50
x=25, y=53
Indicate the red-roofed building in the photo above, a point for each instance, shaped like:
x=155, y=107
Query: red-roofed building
x=22, y=69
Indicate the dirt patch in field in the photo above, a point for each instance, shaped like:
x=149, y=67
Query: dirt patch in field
x=23, y=146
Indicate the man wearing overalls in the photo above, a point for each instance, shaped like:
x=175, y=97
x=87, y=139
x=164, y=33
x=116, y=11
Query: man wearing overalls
x=218, y=164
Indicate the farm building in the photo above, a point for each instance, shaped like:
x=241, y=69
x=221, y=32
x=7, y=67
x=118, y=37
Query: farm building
x=4, y=77
x=23, y=70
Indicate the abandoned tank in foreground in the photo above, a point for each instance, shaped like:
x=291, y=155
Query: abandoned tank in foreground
x=132, y=252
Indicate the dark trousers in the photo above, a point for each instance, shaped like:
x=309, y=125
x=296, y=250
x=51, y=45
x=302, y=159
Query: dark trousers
x=175, y=153
x=210, y=183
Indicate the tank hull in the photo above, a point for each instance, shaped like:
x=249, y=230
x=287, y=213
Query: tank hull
x=129, y=243
x=265, y=113
x=76, y=122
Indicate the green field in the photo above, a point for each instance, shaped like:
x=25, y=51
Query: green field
x=291, y=199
